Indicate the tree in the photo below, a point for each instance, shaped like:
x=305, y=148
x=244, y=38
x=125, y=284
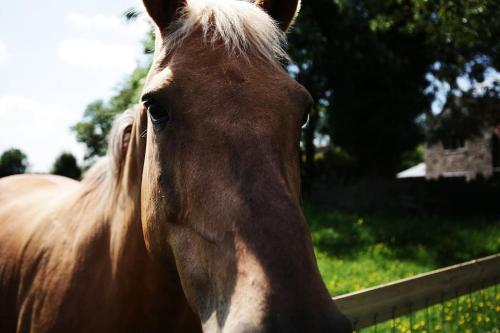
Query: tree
x=12, y=162
x=97, y=120
x=66, y=165
x=368, y=62
x=463, y=39
x=364, y=80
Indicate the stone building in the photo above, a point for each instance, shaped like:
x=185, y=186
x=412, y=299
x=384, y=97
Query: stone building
x=464, y=158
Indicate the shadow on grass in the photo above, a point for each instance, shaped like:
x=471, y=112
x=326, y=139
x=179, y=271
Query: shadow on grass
x=430, y=241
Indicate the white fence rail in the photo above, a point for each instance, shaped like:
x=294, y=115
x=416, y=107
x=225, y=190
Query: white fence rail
x=375, y=305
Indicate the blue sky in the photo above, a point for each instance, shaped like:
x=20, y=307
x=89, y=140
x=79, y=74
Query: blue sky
x=55, y=58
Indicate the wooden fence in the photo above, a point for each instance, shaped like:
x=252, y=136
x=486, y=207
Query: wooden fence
x=375, y=305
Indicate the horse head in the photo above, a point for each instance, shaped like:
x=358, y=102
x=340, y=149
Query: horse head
x=220, y=193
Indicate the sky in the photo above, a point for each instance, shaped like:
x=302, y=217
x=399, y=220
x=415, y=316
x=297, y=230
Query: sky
x=55, y=58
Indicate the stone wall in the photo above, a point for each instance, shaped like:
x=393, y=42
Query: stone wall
x=473, y=159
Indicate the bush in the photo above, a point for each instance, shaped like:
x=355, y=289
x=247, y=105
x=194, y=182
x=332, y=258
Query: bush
x=66, y=165
x=12, y=162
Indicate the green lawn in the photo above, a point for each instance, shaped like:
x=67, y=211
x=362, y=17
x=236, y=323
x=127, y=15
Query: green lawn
x=356, y=251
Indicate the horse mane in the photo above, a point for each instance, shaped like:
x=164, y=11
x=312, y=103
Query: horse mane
x=243, y=27
x=107, y=170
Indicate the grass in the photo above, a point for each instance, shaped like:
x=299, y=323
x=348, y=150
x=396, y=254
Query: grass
x=476, y=312
x=357, y=251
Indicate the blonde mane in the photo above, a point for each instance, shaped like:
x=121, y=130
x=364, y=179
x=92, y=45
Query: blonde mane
x=108, y=168
x=242, y=26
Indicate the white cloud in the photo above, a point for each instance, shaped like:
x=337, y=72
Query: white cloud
x=40, y=130
x=95, y=21
x=97, y=54
x=99, y=21
x=3, y=51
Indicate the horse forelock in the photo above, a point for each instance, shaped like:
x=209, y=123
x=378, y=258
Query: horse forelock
x=243, y=27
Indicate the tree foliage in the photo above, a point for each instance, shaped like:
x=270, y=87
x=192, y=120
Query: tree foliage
x=456, y=32
x=369, y=61
x=66, y=165
x=97, y=120
x=463, y=117
x=13, y=161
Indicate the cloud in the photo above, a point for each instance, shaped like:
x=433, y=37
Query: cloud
x=40, y=130
x=3, y=51
x=116, y=44
x=97, y=54
x=99, y=21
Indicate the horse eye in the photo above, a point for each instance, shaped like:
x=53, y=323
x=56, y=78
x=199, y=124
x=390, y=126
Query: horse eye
x=305, y=120
x=157, y=113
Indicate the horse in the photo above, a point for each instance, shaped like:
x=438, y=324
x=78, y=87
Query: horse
x=192, y=222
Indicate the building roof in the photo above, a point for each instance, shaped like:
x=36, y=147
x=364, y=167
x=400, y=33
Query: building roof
x=416, y=171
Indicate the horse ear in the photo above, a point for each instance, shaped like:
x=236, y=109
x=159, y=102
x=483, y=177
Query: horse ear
x=163, y=12
x=282, y=11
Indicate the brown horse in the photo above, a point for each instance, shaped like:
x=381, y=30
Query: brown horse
x=193, y=221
